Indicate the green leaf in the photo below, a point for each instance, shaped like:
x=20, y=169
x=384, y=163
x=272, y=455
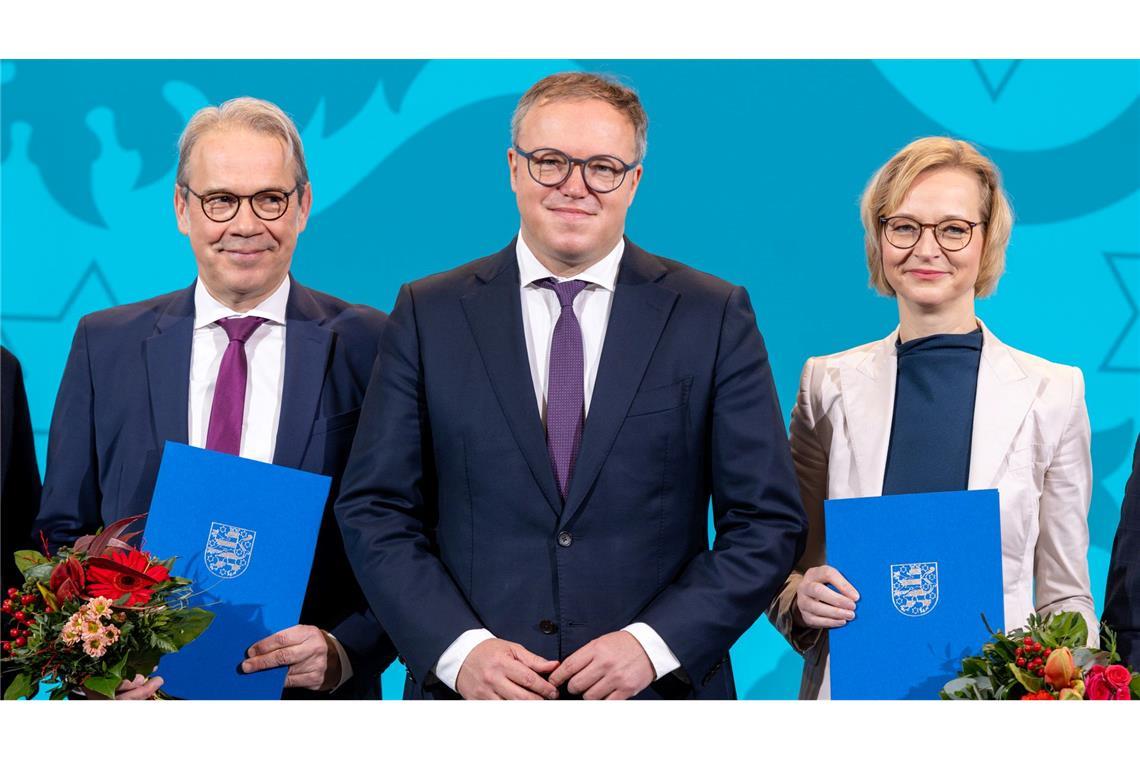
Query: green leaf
x=1134, y=687
x=21, y=686
x=39, y=573
x=188, y=624
x=1031, y=683
x=29, y=558
x=959, y=688
x=104, y=685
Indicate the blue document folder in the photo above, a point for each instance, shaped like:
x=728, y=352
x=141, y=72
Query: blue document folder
x=927, y=567
x=244, y=532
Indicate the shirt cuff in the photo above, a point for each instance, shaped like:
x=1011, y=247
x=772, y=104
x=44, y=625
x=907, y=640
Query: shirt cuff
x=660, y=655
x=452, y=659
x=345, y=665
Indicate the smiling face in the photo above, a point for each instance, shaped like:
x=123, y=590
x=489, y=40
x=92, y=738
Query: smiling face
x=243, y=260
x=570, y=227
x=926, y=278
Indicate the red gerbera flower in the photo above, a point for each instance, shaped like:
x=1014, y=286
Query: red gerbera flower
x=128, y=573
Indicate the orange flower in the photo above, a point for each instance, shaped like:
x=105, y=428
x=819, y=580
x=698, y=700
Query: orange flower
x=1060, y=670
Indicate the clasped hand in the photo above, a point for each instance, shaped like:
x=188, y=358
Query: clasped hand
x=613, y=666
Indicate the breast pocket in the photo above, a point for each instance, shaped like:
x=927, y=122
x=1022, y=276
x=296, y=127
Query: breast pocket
x=661, y=399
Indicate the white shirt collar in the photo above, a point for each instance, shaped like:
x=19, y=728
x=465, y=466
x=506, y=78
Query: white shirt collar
x=602, y=273
x=207, y=309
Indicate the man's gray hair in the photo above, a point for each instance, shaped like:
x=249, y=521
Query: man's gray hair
x=246, y=113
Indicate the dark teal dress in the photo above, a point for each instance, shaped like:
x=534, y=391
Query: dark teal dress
x=934, y=414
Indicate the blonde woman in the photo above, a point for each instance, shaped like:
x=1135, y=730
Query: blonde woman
x=940, y=404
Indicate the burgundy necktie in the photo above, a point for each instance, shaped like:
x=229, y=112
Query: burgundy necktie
x=228, y=409
x=565, y=395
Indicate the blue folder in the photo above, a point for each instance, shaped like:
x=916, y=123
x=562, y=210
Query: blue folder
x=927, y=567
x=244, y=532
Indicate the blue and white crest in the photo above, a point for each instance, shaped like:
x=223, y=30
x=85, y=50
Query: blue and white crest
x=914, y=587
x=229, y=549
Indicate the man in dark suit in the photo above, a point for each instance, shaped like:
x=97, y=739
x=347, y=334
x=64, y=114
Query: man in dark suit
x=246, y=361
x=1122, y=593
x=19, y=472
x=526, y=510
x=19, y=477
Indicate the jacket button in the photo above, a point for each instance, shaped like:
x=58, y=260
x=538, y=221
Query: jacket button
x=565, y=539
x=547, y=626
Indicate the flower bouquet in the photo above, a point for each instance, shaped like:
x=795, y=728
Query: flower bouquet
x=95, y=614
x=1047, y=660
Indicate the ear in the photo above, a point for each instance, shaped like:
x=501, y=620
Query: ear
x=305, y=205
x=634, y=179
x=181, y=210
x=512, y=165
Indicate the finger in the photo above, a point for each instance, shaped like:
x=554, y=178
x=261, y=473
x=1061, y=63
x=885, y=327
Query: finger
x=523, y=676
x=505, y=688
x=146, y=691
x=814, y=621
x=825, y=610
x=585, y=679
x=572, y=665
x=533, y=661
x=277, y=658
x=288, y=637
x=602, y=689
x=835, y=578
x=827, y=596
x=134, y=683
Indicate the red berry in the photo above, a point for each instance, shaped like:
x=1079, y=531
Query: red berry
x=1048, y=651
x=21, y=616
x=1027, y=641
x=13, y=632
x=6, y=606
x=13, y=592
x=21, y=641
x=7, y=646
x=28, y=598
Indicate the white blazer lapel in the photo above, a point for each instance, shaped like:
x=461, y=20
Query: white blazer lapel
x=868, y=392
x=1004, y=396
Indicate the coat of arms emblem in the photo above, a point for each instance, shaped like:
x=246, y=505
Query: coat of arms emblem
x=914, y=587
x=229, y=550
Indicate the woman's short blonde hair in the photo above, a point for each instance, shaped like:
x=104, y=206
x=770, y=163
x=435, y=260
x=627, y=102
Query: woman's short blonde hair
x=890, y=184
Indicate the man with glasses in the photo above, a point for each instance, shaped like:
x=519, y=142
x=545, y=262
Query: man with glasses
x=526, y=505
x=246, y=361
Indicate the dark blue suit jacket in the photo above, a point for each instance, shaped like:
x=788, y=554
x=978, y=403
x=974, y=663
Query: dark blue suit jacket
x=449, y=508
x=1122, y=593
x=125, y=392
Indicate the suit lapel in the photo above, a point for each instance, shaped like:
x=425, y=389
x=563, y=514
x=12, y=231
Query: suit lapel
x=168, y=369
x=1004, y=396
x=868, y=392
x=641, y=307
x=494, y=313
x=307, y=348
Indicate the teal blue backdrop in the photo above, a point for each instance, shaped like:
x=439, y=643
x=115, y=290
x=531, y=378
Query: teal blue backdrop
x=753, y=173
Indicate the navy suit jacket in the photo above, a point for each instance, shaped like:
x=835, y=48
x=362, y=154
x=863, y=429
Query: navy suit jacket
x=449, y=508
x=1122, y=594
x=125, y=392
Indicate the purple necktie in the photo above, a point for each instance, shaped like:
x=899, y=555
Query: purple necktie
x=565, y=396
x=228, y=409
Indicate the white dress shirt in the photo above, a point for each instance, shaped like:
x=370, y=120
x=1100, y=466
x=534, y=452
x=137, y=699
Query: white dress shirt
x=540, y=312
x=265, y=357
x=265, y=354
